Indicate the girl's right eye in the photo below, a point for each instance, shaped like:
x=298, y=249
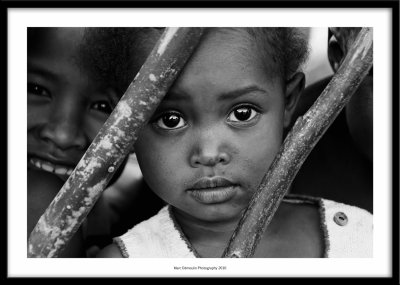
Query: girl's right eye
x=37, y=90
x=170, y=121
x=102, y=106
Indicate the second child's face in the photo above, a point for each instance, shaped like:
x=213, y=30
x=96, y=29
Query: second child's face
x=216, y=132
x=66, y=108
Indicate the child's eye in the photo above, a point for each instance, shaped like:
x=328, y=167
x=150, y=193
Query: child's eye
x=243, y=114
x=38, y=90
x=170, y=121
x=102, y=106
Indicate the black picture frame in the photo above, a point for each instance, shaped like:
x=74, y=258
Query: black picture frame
x=392, y=6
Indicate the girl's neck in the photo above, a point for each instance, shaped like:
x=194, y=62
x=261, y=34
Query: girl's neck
x=295, y=231
x=208, y=238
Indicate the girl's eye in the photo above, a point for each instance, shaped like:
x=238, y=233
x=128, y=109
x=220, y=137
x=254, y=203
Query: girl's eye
x=102, y=106
x=242, y=114
x=37, y=90
x=170, y=121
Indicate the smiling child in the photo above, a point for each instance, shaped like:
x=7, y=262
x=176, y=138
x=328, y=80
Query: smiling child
x=75, y=78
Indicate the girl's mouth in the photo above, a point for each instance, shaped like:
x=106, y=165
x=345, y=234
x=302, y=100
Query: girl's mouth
x=61, y=170
x=213, y=190
x=214, y=195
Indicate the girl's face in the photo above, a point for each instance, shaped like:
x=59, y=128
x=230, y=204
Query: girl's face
x=216, y=132
x=66, y=108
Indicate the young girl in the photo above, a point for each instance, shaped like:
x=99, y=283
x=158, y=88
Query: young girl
x=75, y=78
x=211, y=141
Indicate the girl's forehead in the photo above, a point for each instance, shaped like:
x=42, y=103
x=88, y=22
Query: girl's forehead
x=223, y=44
x=55, y=42
x=233, y=37
x=226, y=60
x=239, y=46
x=43, y=36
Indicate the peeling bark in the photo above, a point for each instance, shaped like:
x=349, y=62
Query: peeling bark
x=298, y=144
x=115, y=139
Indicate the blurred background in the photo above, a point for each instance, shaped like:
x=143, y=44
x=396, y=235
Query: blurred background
x=317, y=66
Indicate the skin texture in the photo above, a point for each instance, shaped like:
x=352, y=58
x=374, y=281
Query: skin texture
x=200, y=132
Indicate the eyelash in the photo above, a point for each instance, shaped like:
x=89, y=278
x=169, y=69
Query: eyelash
x=102, y=106
x=159, y=121
x=38, y=90
x=254, y=115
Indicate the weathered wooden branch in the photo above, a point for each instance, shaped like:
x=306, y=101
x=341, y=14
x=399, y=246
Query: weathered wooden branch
x=115, y=139
x=298, y=145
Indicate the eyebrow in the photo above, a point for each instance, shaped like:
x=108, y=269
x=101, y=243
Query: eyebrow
x=172, y=96
x=50, y=75
x=40, y=70
x=241, y=92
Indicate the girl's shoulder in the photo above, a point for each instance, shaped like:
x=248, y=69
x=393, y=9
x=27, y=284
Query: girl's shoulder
x=331, y=212
x=346, y=230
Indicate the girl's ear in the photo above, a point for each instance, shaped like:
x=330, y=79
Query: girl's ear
x=335, y=53
x=294, y=86
x=340, y=40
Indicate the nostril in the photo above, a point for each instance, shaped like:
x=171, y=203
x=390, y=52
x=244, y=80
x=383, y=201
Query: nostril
x=63, y=136
x=210, y=159
x=223, y=158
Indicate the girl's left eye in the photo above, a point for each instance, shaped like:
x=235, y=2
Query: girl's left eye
x=170, y=121
x=38, y=90
x=102, y=106
x=242, y=114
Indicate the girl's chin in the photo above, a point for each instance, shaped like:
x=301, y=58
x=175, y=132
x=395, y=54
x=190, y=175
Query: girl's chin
x=218, y=213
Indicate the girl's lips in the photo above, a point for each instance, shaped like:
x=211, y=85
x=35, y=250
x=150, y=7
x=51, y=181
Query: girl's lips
x=45, y=165
x=214, y=195
x=213, y=190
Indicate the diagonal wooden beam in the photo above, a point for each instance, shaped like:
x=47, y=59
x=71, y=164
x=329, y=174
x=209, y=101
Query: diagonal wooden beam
x=298, y=145
x=115, y=139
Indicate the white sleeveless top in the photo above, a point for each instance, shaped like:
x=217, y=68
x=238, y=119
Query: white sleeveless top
x=347, y=233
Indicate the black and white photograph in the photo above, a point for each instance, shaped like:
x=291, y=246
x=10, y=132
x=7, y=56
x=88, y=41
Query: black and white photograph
x=201, y=142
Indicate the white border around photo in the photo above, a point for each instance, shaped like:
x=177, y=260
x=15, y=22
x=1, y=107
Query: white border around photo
x=21, y=266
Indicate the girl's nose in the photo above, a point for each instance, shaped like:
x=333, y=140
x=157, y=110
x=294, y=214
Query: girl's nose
x=65, y=130
x=210, y=150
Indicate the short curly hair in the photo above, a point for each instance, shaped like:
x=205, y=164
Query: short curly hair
x=115, y=55
x=290, y=47
x=287, y=47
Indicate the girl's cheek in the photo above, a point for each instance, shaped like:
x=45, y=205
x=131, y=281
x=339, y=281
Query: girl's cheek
x=91, y=126
x=37, y=114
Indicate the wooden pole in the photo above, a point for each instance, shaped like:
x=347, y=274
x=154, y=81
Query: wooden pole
x=115, y=139
x=297, y=146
